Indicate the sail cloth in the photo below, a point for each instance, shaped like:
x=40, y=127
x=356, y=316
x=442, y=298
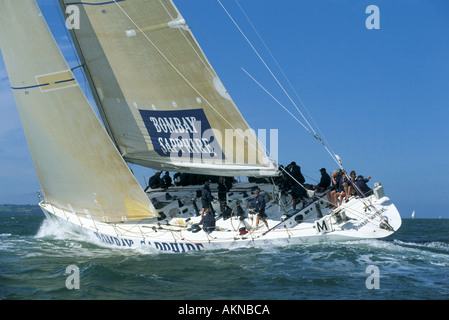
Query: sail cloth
x=160, y=99
x=78, y=166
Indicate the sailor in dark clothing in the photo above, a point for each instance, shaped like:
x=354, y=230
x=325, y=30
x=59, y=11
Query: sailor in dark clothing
x=299, y=194
x=260, y=208
x=166, y=180
x=340, y=192
x=335, y=178
x=222, y=191
x=325, y=181
x=155, y=181
x=177, y=178
x=208, y=222
x=296, y=180
x=295, y=174
x=229, y=181
x=206, y=197
x=362, y=189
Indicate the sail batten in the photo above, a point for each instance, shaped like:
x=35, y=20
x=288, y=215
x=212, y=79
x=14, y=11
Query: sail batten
x=78, y=167
x=149, y=74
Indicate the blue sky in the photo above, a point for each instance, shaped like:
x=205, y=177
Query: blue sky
x=380, y=97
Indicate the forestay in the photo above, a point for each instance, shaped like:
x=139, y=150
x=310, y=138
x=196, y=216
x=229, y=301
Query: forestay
x=160, y=99
x=78, y=167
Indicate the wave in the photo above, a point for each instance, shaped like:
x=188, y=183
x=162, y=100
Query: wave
x=437, y=247
x=74, y=237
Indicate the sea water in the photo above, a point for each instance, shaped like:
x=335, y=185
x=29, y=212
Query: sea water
x=39, y=260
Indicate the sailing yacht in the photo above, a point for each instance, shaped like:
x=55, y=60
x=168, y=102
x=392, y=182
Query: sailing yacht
x=162, y=106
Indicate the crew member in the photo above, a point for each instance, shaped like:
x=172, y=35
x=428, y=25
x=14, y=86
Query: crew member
x=260, y=208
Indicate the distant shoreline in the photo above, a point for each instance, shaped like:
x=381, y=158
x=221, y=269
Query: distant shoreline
x=20, y=208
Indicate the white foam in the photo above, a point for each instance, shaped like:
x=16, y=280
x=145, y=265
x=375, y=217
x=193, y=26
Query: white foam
x=75, y=239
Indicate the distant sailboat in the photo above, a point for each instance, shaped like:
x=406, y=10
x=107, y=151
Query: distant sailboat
x=163, y=107
x=413, y=214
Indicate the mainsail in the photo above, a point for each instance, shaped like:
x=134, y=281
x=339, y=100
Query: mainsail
x=160, y=99
x=78, y=167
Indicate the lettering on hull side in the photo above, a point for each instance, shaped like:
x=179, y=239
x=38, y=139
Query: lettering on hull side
x=175, y=247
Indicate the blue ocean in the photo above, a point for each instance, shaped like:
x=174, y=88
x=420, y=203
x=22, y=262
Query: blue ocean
x=41, y=261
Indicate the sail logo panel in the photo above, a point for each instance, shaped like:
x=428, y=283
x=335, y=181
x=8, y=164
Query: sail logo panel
x=182, y=134
x=51, y=81
x=56, y=81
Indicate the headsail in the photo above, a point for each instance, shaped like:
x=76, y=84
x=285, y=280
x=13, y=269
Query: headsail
x=159, y=97
x=78, y=167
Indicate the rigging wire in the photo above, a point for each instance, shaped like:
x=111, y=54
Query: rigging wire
x=263, y=61
x=291, y=114
x=266, y=47
x=285, y=76
x=310, y=129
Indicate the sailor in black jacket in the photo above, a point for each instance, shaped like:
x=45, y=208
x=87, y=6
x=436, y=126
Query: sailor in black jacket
x=260, y=208
x=208, y=222
x=206, y=197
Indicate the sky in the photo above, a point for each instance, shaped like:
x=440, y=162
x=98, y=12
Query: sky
x=380, y=97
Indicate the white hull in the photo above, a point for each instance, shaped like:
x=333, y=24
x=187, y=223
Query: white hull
x=360, y=219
